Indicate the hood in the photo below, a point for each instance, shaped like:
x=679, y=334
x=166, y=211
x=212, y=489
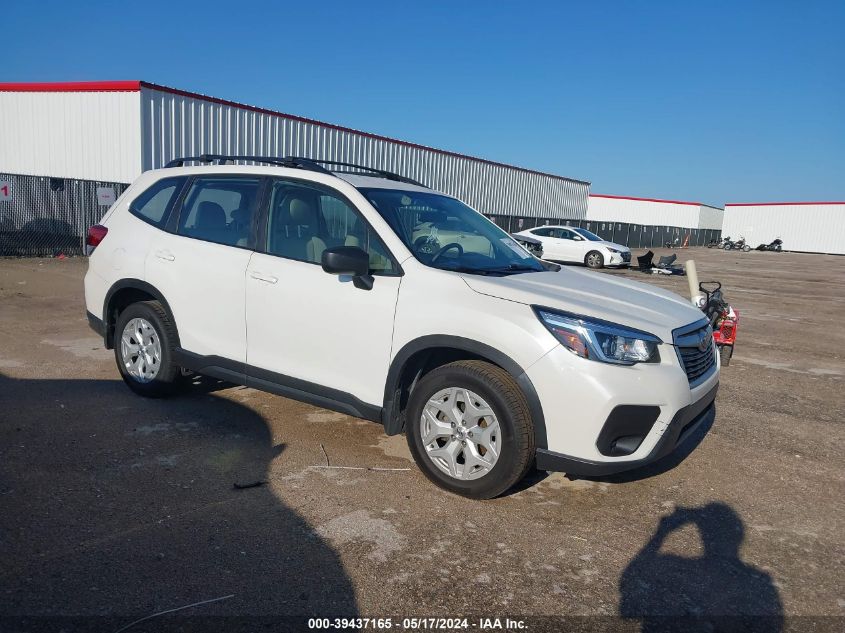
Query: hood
x=618, y=247
x=526, y=238
x=598, y=295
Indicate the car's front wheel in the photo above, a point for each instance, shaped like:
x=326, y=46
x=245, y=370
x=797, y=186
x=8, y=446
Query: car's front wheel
x=469, y=429
x=594, y=259
x=145, y=338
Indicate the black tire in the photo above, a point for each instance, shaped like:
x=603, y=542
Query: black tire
x=508, y=402
x=725, y=353
x=594, y=259
x=746, y=249
x=169, y=375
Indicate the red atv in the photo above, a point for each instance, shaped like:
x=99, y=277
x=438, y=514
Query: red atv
x=723, y=319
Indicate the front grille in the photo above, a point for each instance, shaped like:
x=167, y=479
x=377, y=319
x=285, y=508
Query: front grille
x=696, y=362
x=626, y=257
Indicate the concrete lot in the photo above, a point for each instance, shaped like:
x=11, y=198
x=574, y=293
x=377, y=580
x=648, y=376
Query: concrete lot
x=115, y=505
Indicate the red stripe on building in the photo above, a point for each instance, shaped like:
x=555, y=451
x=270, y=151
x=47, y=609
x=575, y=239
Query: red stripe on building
x=776, y=204
x=73, y=86
x=696, y=204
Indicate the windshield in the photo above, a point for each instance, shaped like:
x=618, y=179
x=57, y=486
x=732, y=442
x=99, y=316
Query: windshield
x=590, y=236
x=443, y=232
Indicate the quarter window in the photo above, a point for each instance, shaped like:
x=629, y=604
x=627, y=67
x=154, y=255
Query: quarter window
x=220, y=209
x=152, y=205
x=304, y=220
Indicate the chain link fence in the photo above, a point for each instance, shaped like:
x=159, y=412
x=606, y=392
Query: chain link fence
x=48, y=217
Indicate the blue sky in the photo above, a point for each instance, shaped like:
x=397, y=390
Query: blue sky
x=708, y=101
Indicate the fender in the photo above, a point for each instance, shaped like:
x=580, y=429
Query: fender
x=393, y=422
x=108, y=316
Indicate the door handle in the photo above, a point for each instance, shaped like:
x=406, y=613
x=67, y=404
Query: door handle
x=165, y=255
x=262, y=277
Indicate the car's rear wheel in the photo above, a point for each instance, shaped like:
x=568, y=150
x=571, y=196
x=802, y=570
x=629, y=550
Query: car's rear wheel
x=594, y=259
x=469, y=429
x=145, y=338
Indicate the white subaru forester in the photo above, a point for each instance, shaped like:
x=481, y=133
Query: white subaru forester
x=365, y=292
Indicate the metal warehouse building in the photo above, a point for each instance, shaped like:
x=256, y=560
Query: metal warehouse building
x=648, y=222
x=69, y=149
x=811, y=227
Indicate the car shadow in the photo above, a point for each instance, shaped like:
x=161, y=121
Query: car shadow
x=116, y=507
x=715, y=591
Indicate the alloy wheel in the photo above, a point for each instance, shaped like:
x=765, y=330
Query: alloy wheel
x=460, y=433
x=140, y=350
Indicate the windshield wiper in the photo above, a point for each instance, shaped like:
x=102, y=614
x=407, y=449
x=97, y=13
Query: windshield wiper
x=514, y=268
x=503, y=270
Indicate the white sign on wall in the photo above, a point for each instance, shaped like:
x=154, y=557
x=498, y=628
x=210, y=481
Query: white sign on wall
x=5, y=191
x=105, y=196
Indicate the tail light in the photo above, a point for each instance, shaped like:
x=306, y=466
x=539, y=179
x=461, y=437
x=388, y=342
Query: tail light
x=96, y=234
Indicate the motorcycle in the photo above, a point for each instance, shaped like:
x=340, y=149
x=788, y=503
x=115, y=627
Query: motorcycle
x=738, y=245
x=722, y=317
x=775, y=245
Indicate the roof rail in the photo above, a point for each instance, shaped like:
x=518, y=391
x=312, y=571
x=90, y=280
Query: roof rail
x=223, y=159
x=311, y=164
x=379, y=172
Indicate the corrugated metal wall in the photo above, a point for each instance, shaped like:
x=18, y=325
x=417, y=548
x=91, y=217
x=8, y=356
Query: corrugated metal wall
x=643, y=211
x=175, y=125
x=710, y=217
x=85, y=135
x=812, y=228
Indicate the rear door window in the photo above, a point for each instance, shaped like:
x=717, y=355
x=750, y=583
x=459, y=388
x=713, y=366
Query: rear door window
x=220, y=209
x=153, y=205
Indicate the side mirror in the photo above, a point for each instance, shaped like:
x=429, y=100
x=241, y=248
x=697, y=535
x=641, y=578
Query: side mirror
x=349, y=260
x=578, y=238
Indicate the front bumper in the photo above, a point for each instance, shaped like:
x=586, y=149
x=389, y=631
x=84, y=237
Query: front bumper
x=683, y=426
x=619, y=259
x=603, y=419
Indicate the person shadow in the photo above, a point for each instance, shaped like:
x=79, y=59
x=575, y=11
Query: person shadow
x=716, y=591
x=115, y=507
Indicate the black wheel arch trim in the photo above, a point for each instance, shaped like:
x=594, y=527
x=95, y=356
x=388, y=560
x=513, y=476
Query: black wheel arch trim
x=133, y=284
x=394, y=422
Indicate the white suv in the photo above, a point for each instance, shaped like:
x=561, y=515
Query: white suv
x=574, y=244
x=370, y=294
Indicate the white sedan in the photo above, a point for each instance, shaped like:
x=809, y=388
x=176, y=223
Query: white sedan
x=572, y=244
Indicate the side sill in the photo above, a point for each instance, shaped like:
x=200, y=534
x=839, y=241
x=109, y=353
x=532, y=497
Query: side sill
x=279, y=384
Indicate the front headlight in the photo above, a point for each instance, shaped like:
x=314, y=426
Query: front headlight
x=600, y=340
x=613, y=250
